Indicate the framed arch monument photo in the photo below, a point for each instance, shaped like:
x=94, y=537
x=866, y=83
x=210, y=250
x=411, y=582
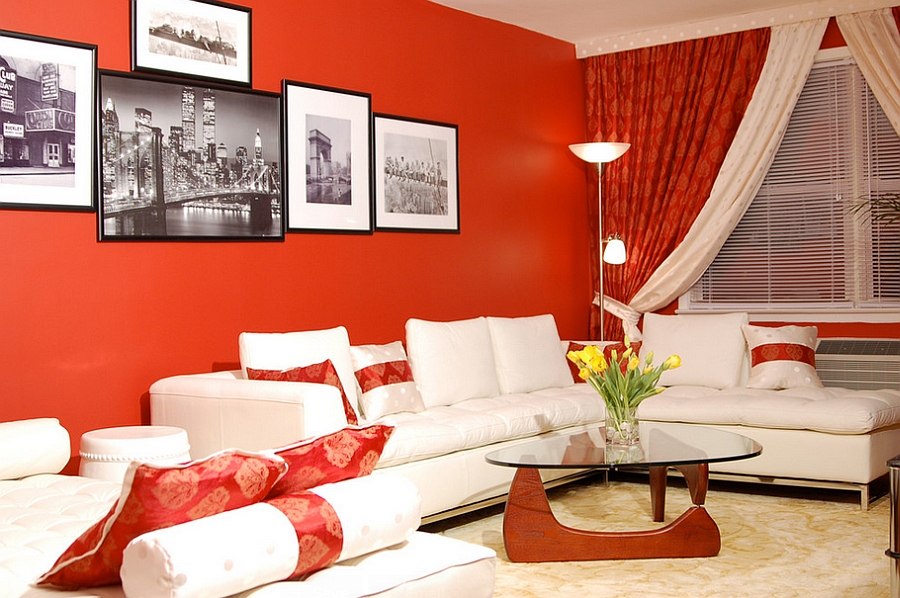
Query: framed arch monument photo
x=328, y=140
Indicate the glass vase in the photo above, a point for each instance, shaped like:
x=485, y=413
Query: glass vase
x=622, y=426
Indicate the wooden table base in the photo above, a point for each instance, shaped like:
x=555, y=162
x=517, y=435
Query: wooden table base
x=532, y=534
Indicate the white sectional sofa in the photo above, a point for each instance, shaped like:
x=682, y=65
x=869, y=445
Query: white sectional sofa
x=42, y=513
x=479, y=384
x=482, y=383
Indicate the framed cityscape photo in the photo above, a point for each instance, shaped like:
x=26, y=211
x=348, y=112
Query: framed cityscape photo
x=204, y=39
x=48, y=110
x=182, y=160
x=416, y=175
x=328, y=146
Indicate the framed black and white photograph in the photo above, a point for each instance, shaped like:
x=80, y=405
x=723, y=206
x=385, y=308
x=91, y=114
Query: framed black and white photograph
x=181, y=160
x=328, y=146
x=48, y=110
x=416, y=175
x=203, y=39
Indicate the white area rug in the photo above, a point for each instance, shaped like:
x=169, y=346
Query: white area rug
x=772, y=545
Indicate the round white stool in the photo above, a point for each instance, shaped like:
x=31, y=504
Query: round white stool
x=106, y=453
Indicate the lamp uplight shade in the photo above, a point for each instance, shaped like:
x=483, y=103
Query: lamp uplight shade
x=599, y=151
x=615, y=251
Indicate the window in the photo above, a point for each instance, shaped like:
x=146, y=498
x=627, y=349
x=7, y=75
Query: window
x=801, y=247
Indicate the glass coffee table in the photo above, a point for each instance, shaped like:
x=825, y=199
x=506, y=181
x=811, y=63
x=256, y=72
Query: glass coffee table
x=531, y=533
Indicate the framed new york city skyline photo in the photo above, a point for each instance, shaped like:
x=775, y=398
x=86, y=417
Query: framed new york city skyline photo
x=416, y=175
x=328, y=142
x=203, y=39
x=47, y=123
x=184, y=160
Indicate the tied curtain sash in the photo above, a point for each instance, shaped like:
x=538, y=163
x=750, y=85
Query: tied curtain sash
x=679, y=106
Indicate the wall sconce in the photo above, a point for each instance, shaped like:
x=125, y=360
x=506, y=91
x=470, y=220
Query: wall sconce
x=615, y=250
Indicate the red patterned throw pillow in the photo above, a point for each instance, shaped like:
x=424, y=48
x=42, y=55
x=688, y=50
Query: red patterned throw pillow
x=318, y=373
x=341, y=455
x=318, y=528
x=157, y=496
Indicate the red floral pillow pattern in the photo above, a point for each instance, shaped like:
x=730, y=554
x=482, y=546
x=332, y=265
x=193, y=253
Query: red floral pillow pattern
x=341, y=455
x=619, y=348
x=319, y=373
x=318, y=528
x=155, y=497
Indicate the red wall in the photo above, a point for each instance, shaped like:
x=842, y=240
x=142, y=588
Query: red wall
x=88, y=326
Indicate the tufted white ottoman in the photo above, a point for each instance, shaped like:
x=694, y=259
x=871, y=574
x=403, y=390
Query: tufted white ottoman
x=107, y=452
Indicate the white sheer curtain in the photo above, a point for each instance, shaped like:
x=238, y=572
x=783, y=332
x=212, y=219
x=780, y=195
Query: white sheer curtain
x=874, y=42
x=792, y=49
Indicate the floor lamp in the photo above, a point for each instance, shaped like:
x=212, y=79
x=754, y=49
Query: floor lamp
x=598, y=152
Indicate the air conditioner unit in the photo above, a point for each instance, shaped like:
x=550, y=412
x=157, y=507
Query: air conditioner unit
x=859, y=363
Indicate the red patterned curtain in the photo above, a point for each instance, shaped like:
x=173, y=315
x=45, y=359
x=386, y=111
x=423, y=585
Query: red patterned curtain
x=679, y=106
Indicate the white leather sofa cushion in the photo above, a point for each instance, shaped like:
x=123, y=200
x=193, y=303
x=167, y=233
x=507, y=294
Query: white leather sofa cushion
x=32, y=446
x=40, y=516
x=480, y=422
x=711, y=346
x=527, y=354
x=425, y=565
x=451, y=361
x=285, y=350
x=833, y=410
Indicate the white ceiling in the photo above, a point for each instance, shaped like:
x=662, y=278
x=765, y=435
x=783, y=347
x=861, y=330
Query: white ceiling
x=604, y=26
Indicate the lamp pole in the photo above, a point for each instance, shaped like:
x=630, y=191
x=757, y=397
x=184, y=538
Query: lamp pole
x=598, y=152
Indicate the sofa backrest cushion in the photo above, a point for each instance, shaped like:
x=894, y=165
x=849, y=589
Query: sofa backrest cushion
x=451, y=361
x=711, y=346
x=527, y=354
x=32, y=446
x=286, y=350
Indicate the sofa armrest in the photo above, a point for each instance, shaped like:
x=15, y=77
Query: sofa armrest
x=223, y=410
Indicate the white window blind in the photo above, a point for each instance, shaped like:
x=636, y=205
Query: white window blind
x=800, y=244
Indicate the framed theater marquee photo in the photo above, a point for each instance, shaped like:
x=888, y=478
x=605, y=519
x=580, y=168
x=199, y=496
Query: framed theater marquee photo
x=48, y=109
x=182, y=160
x=203, y=39
x=416, y=175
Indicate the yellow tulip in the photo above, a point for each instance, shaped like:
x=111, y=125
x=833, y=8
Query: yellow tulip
x=584, y=373
x=633, y=363
x=673, y=361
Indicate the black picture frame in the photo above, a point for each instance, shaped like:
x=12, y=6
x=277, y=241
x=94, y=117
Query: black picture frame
x=416, y=175
x=201, y=39
x=328, y=158
x=48, y=110
x=158, y=138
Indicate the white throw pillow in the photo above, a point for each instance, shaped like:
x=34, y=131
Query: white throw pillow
x=385, y=380
x=287, y=350
x=712, y=348
x=451, y=361
x=528, y=354
x=782, y=357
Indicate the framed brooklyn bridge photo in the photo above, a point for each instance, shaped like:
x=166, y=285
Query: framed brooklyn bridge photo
x=328, y=140
x=203, y=39
x=182, y=160
x=47, y=123
x=416, y=175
